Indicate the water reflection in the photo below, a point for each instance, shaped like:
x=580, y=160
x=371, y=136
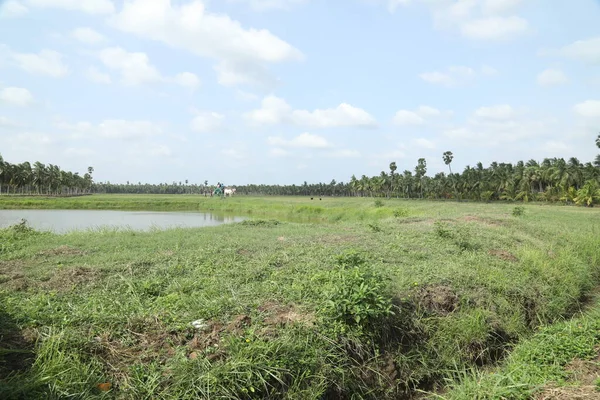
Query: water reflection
x=61, y=221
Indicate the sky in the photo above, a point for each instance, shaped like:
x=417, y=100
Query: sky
x=287, y=91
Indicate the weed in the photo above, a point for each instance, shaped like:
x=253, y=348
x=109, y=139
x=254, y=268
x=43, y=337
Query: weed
x=379, y=203
x=260, y=222
x=374, y=227
x=442, y=229
x=359, y=296
x=401, y=212
x=518, y=211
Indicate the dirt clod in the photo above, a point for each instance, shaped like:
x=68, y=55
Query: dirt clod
x=439, y=299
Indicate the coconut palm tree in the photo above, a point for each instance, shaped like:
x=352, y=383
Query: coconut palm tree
x=448, y=156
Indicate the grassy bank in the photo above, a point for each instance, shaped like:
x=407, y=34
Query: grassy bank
x=326, y=209
x=559, y=362
x=387, y=300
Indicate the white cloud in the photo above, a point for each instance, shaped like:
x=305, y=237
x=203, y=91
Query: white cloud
x=556, y=147
x=245, y=96
x=495, y=28
x=426, y=111
x=94, y=75
x=159, y=150
x=275, y=110
x=424, y=143
x=420, y=116
x=278, y=152
x=16, y=96
x=264, y=5
x=233, y=73
x=489, y=71
x=233, y=153
x=134, y=68
x=7, y=123
x=304, y=140
x=499, y=126
x=343, y=115
x=587, y=51
x=394, y=4
x=207, y=122
x=551, y=77
x=494, y=7
x=475, y=19
x=94, y=7
x=588, y=109
x=187, y=79
x=123, y=129
x=405, y=117
x=500, y=112
x=241, y=52
x=87, y=36
x=12, y=9
x=453, y=76
x=344, y=153
x=79, y=152
x=45, y=63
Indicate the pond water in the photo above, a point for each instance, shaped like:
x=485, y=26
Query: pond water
x=62, y=221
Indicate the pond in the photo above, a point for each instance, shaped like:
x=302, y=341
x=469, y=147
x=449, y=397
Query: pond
x=62, y=221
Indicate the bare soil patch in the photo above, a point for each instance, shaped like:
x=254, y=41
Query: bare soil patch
x=279, y=315
x=439, y=299
x=504, y=255
x=584, y=374
x=66, y=278
x=17, y=345
x=482, y=220
x=570, y=393
x=62, y=251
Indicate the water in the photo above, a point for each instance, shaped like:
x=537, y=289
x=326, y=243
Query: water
x=62, y=221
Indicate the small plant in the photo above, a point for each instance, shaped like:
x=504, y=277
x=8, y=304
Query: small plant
x=375, y=227
x=379, y=203
x=443, y=230
x=518, y=211
x=350, y=259
x=359, y=296
x=401, y=212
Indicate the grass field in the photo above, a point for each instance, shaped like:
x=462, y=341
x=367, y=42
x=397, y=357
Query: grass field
x=366, y=300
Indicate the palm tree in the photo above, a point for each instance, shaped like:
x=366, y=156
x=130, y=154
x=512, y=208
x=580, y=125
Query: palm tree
x=2, y=167
x=448, y=156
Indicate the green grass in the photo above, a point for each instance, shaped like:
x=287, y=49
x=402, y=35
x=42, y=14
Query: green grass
x=366, y=301
x=540, y=363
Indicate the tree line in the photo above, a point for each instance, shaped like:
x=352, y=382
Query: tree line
x=27, y=179
x=551, y=180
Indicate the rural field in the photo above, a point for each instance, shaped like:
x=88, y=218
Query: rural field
x=339, y=298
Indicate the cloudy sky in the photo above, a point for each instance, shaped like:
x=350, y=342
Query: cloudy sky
x=282, y=91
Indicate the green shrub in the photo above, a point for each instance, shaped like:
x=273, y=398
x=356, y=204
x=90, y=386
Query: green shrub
x=401, y=212
x=359, y=295
x=379, y=203
x=518, y=211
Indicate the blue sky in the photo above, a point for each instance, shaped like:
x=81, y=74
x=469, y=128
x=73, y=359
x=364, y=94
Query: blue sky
x=282, y=91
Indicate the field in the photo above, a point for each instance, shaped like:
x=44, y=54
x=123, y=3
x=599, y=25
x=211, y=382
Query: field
x=307, y=299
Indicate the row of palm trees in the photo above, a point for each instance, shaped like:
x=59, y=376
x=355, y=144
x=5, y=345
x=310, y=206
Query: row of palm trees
x=151, y=188
x=552, y=180
x=25, y=178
